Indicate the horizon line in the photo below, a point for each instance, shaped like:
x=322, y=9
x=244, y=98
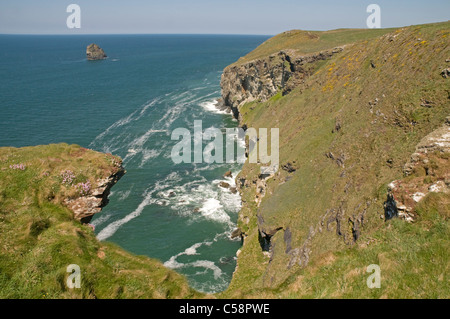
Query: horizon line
x=96, y=34
x=225, y=34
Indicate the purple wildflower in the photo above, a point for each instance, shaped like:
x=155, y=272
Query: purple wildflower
x=84, y=188
x=67, y=177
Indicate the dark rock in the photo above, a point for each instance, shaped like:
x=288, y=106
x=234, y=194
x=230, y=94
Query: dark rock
x=445, y=73
x=390, y=207
x=233, y=190
x=288, y=167
x=337, y=126
x=329, y=155
x=340, y=160
x=172, y=194
x=236, y=233
x=94, y=52
x=228, y=174
x=224, y=185
x=426, y=103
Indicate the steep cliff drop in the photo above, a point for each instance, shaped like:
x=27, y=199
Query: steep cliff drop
x=45, y=191
x=349, y=117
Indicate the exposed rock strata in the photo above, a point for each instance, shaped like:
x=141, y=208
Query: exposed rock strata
x=85, y=207
x=261, y=79
x=404, y=194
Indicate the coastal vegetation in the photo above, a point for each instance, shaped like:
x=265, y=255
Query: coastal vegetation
x=351, y=106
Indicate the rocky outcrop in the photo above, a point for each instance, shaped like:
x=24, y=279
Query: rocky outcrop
x=428, y=170
x=86, y=206
x=261, y=79
x=94, y=52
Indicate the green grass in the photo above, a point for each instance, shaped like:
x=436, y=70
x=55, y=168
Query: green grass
x=305, y=42
x=39, y=237
x=407, y=69
x=413, y=260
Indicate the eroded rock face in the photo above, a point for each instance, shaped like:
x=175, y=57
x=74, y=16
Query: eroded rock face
x=85, y=207
x=430, y=172
x=94, y=52
x=261, y=79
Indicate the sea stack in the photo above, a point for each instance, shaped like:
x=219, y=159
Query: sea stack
x=94, y=52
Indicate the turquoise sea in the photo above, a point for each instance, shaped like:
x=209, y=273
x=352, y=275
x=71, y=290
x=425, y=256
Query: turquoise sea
x=128, y=105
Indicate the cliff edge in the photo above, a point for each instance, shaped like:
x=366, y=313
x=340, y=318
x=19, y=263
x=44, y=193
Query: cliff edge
x=351, y=107
x=47, y=195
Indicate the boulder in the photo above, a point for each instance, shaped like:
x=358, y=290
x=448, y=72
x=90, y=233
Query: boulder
x=224, y=185
x=228, y=174
x=236, y=233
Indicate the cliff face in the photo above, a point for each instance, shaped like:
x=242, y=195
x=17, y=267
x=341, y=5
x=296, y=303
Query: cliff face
x=349, y=120
x=427, y=171
x=261, y=79
x=44, y=192
x=84, y=207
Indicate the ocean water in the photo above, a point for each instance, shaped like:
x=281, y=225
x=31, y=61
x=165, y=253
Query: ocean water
x=128, y=105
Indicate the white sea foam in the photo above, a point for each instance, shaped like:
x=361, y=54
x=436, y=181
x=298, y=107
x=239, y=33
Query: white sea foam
x=212, y=106
x=124, y=194
x=100, y=220
x=111, y=229
x=172, y=263
x=147, y=155
x=213, y=209
x=123, y=121
x=209, y=200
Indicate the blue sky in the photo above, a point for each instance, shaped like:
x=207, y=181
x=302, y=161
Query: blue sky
x=211, y=16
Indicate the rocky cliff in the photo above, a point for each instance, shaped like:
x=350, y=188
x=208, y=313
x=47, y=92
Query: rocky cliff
x=349, y=118
x=85, y=206
x=45, y=191
x=427, y=171
x=260, y=79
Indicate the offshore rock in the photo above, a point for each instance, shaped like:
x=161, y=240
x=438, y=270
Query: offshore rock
x=94, y=52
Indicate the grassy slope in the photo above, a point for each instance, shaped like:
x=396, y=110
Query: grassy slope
x=413, y=258
x=39, y=237
x=305, y=42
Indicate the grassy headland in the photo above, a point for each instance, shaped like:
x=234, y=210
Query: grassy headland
x=347, y=130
